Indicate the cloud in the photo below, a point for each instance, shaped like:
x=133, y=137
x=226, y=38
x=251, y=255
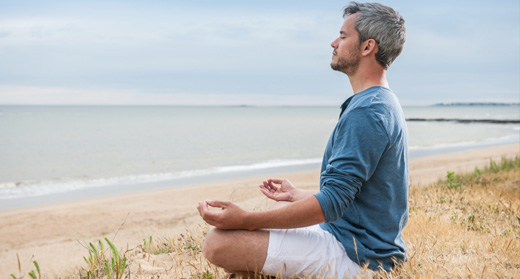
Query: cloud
x=67, y=47
x=234, y=49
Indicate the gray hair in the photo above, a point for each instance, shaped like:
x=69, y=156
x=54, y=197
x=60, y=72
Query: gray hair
x=381, y=23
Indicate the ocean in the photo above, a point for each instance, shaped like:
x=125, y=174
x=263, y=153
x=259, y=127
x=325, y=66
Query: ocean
x=55, y=153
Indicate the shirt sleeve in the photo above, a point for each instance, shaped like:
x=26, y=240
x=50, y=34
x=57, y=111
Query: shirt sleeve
x=357, y=146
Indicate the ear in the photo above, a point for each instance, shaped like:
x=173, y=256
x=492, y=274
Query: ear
x=369, y=47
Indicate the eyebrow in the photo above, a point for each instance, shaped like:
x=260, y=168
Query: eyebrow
x=342, y=33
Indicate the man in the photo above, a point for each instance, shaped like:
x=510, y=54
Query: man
x=362, y=206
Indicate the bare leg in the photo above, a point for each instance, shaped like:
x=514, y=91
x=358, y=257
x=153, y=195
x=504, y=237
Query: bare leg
x=237, y=251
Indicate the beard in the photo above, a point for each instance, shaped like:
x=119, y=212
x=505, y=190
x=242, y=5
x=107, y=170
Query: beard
x=347, y=65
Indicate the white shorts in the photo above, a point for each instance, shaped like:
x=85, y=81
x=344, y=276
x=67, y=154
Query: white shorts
x=306, y=251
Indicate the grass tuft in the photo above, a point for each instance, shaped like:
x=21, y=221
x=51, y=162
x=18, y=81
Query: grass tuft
x=31, y=273
x=102, y=265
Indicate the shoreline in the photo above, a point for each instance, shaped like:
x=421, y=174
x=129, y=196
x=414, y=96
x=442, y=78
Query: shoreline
x=72, y=195
x=52, y=232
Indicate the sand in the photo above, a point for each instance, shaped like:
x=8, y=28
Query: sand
x=51, y=234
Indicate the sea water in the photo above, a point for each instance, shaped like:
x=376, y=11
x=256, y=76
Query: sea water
x=45, y=150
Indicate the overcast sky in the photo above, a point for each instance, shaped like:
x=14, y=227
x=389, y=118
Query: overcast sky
x=245, y=52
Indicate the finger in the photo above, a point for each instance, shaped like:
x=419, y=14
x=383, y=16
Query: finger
x=202, y=207
x=268, y=185
x=210, y=216
x=273, y=188
x=273, y=181
x=276, y=180
x=206, y=214
x=219, y=204
x=267, y=193
x=263, y=188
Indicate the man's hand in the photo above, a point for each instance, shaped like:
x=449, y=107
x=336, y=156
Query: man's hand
x=285, y=192
x=231, y=217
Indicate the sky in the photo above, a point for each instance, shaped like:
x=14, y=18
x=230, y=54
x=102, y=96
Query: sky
x=267, y=52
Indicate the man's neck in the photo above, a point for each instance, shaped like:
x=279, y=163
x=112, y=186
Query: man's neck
x=366, y=78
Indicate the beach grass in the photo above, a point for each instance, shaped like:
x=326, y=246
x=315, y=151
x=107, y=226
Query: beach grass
x=466, y=226
x=463, y=226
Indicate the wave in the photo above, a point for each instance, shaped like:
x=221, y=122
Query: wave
x=269, y=164
x=464, y=120
x=13, y=190
x=495, y=140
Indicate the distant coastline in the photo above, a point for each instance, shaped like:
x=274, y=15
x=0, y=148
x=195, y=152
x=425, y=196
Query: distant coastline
x=475, y=104
x=492, y=121
x=453, y=104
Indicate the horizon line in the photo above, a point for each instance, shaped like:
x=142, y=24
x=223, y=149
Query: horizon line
x=261, y=105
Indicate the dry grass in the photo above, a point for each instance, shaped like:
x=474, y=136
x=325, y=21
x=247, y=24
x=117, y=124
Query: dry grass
x=466, y=226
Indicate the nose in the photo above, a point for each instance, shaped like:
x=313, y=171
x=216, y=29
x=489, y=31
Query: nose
x=334, y=44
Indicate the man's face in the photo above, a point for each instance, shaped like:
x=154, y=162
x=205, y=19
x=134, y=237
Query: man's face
x=346, y=55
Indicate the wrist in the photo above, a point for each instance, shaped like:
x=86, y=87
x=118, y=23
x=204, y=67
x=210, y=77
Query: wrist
x=296, y=195
x=249, y=221
x=300, y=194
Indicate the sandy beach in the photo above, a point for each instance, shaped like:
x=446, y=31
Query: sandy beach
x=51, y=234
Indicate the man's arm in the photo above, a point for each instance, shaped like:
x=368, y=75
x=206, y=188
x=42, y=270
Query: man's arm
x=297, y=214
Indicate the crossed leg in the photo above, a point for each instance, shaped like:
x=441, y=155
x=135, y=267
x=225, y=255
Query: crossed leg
x=237, y=251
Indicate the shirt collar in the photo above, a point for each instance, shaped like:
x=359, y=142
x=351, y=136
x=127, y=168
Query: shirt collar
x=345, y=105
x=366, y=91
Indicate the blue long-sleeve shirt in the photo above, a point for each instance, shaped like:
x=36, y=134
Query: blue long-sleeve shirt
x=364, y=179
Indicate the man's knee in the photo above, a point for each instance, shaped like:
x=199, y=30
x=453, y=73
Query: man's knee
x=236, y=250
x=214, y=245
